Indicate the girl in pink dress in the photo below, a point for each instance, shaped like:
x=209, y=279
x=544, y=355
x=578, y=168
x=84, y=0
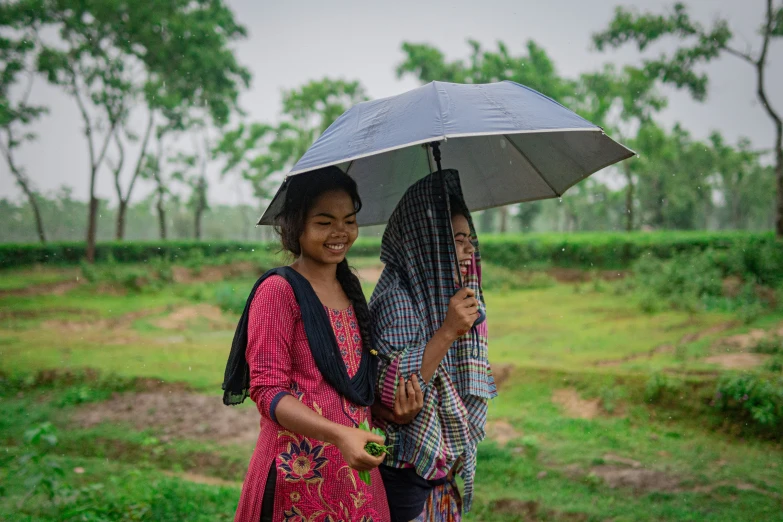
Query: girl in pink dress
x=302, y=352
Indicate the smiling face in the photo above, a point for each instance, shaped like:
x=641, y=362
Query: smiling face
x=330, y=228
x=462, y=243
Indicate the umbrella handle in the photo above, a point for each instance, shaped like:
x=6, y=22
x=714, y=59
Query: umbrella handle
x=435, y=146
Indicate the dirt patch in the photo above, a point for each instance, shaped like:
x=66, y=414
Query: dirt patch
x=181, y=318
x=501, y=373
x=176, y=414
x=611, y=457
x=501, y=432
x=34, y=314
x=119, y=327
x=697, y=336
x=744, y=342
x=738, y=361
x=638, y=479
x=532, y=511
x=58, y=288
x=575, y=406
x=741, y=486
x=668, y=348
x=211, y=274
x=664, y=348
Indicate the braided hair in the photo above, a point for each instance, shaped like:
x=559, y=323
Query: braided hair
x=302, y=190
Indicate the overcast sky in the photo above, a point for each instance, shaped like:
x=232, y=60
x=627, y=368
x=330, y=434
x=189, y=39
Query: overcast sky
x=290, y=43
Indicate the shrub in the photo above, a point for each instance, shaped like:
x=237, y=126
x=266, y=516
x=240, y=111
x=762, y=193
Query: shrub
x=754, y=399
x=757, y=253
x=229, y=299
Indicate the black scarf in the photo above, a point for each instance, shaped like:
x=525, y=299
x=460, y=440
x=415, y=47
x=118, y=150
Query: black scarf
x=360, y=389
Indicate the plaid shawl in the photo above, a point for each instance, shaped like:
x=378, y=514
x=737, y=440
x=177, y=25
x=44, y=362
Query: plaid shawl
x=408, y=305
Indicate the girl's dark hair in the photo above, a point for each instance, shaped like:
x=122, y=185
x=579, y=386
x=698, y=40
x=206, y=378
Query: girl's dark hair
x=458, y=207
x=302, y=190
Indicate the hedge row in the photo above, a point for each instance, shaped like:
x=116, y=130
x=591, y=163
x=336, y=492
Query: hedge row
x=612, y=250
x=71, y=253
x=583, y=250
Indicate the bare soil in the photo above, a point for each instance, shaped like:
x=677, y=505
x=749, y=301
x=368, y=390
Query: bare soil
x=176, y=414
x=738, y=361
x=575, y=406
x=211, y=274
x=501, y=432
x=183, y=317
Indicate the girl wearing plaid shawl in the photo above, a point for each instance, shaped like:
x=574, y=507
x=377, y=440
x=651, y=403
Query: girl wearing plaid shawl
x=425, y=326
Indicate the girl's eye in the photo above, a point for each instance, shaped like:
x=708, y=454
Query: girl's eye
x=324, y=224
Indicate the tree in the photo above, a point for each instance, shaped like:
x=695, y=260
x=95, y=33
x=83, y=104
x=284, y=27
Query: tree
x=673, y=185
x=258, y=152
x=740, y=181
x=699, y=45
x=112, y=55
x=534, y=69
x=192, y=172
x=15, y=70
x=622, y=102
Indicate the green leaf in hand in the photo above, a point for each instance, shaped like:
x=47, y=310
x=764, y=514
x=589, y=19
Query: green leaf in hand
x=373, y=448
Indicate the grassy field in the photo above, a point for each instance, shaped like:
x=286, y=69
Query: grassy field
x=130, y=384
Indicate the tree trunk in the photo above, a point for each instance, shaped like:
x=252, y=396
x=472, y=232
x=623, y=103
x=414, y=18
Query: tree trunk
x=161, y=215
x=121, y=213
x=38, y=221
x=779, y=183
x=628, y=197
x=201, y=205
x=92, y=226
x=503, y=220
x=33, y=203
x=25, y=186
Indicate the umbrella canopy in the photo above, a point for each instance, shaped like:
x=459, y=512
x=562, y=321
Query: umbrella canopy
x=509, y=143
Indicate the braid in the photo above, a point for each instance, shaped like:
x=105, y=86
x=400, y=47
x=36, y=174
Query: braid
x=353, y=289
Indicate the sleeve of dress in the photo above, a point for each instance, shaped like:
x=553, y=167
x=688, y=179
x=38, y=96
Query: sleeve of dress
x=400, y=343
x=273, y=314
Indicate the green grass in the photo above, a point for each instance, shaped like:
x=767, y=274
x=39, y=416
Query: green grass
x=17, y=279
x=556, y=337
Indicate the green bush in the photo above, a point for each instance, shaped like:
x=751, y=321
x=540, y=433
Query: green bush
x=694, y=281
x=758, y=252
x=775, y=364
x=754, y=399
x=682, y=282
x=17, y=255
x=771, y=345
x=230, y=299
x=658, y=386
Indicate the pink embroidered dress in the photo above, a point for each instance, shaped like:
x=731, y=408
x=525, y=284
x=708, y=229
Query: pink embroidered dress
x=313, y=482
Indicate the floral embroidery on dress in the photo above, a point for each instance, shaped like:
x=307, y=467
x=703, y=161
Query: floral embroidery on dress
x=303, y=461
x=293, y=515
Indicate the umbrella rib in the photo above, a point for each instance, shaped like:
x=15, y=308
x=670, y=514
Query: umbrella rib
x=556, y=193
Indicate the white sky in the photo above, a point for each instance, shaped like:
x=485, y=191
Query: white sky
x=290, y=43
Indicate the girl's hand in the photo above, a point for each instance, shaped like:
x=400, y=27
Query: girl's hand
x=351, y=442
x=462, y=313
x=409, y=400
